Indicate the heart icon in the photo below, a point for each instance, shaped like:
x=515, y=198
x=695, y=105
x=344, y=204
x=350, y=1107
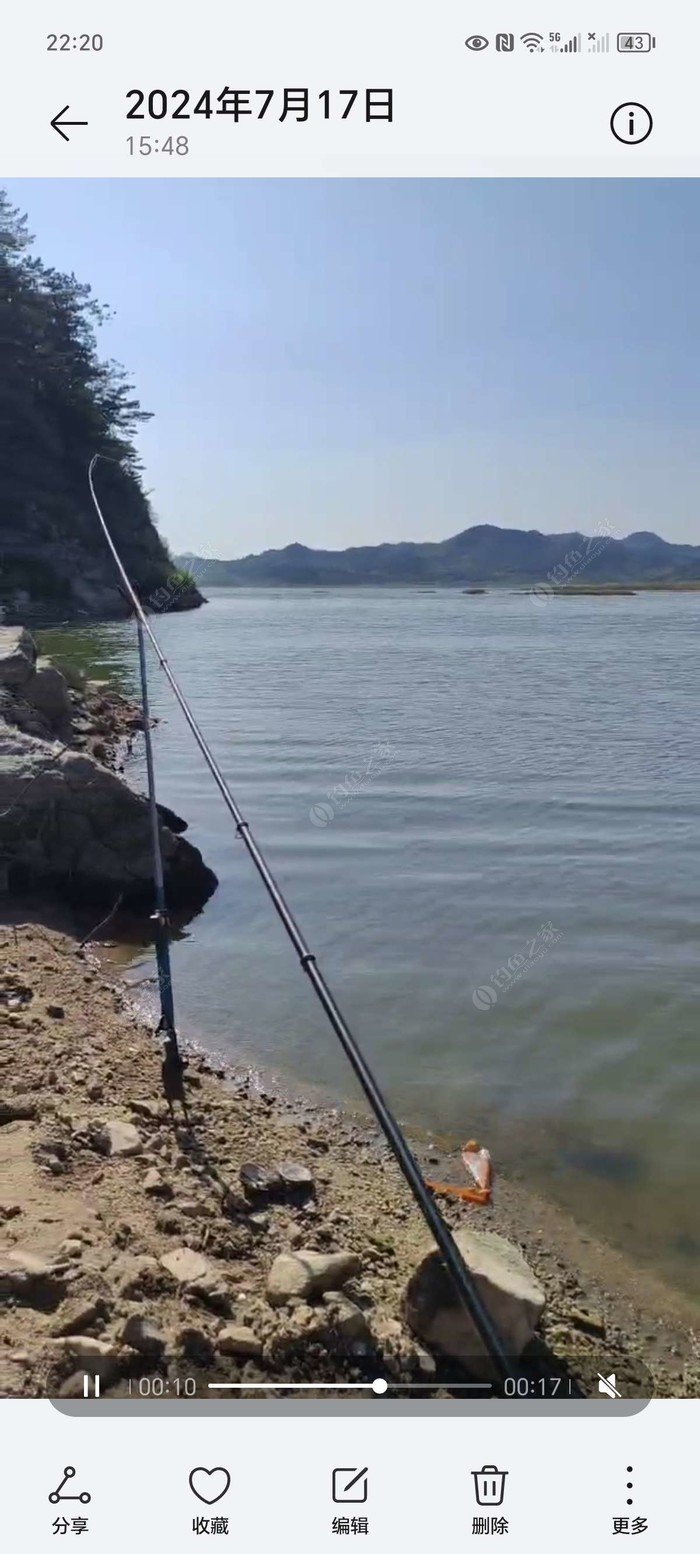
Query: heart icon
x=210, y=1484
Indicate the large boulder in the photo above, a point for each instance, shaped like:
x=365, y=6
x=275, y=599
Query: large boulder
x=68, y=821
x=17, y=655
x=508, y=1288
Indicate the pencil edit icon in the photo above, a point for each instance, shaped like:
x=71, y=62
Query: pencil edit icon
x=350, y=1486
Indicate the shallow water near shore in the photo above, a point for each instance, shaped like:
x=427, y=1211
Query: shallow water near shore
x=485, y=814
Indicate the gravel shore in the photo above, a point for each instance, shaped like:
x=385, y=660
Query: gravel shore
x=139, y=1246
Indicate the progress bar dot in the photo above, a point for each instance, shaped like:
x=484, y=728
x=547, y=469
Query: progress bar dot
x=380, y=1385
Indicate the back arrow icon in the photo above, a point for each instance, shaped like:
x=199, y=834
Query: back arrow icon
x=55, y=124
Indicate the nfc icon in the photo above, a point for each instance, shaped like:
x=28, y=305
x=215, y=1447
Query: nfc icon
x=505, y=42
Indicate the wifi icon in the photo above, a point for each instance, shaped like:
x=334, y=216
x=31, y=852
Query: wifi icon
x=533, y=42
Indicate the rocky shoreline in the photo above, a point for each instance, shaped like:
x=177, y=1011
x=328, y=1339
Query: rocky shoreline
x=262, y=1240
x=69, y=823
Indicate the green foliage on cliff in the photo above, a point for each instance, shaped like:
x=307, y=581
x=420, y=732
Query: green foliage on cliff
x=60, y=404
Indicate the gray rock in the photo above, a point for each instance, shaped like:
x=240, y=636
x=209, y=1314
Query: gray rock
x=307, y=1274
x=84, y=1347
x=257, y=1179
x=71, y=1247
x=145, y=1109
x=79, y=1315
x=47, y=691
x=116, y=1137
x=19, y=1110
x=134, y=1278
x=192, y=1208
x=345, y=1319
x=67, y=820
x=212, y=1291
x=336, y=1324
x=186, y=1266
x=98, y=1356
x=508, y=1288
x=143, y=1334
x=17, y=655
x=298, y=1177
x=9, y=1211
x=155, y=1186
x=239, y=1340
x=31, y=1279
x=196, y=1344
x=197, y=1277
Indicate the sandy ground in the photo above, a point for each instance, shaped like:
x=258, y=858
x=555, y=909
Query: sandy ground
x=90, y=1227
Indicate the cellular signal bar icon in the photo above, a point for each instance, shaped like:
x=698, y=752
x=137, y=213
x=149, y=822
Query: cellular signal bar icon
x=600, y=45
x=572, y=47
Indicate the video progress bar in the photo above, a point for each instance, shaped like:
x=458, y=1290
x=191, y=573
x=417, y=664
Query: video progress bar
x=379, y=1386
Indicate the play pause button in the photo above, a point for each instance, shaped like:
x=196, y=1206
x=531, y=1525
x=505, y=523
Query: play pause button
x=91, y=1386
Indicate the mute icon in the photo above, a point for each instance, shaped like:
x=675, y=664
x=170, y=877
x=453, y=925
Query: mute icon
x=608, y=1386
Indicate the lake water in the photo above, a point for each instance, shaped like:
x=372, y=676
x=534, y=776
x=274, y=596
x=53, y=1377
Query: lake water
x=446, y=785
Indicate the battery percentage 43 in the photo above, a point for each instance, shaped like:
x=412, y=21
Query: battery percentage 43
x=635, y=42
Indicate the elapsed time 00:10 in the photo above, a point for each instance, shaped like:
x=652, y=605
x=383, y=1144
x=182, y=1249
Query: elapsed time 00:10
x=147, y=145
x=163, y=1387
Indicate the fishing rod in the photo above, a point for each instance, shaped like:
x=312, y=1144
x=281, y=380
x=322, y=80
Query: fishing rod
x=462, y=1279
x=160, y=916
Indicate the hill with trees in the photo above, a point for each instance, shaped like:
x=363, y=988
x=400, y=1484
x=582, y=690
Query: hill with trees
x=60, y=403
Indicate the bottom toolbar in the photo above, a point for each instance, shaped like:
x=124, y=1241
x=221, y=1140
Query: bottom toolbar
x=315, y=1480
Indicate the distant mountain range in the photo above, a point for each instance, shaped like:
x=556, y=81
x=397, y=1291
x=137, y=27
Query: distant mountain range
x=484, y=555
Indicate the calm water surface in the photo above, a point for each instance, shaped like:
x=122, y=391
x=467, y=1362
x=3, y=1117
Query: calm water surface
x=521, y=783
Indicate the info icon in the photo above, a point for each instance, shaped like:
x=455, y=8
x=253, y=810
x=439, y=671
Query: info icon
x=505, y=42
x=631, y=123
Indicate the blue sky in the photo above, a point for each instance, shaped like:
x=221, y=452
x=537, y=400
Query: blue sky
x=344, y=362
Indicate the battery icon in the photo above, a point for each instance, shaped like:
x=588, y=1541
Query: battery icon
x=635, y=42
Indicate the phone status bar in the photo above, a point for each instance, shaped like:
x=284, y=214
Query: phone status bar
x=629, y=43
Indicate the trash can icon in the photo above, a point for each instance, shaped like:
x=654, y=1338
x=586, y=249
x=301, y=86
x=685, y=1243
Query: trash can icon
x=490, y=1485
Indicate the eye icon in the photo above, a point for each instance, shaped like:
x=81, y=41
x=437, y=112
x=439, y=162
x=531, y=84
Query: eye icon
x=476, y=42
